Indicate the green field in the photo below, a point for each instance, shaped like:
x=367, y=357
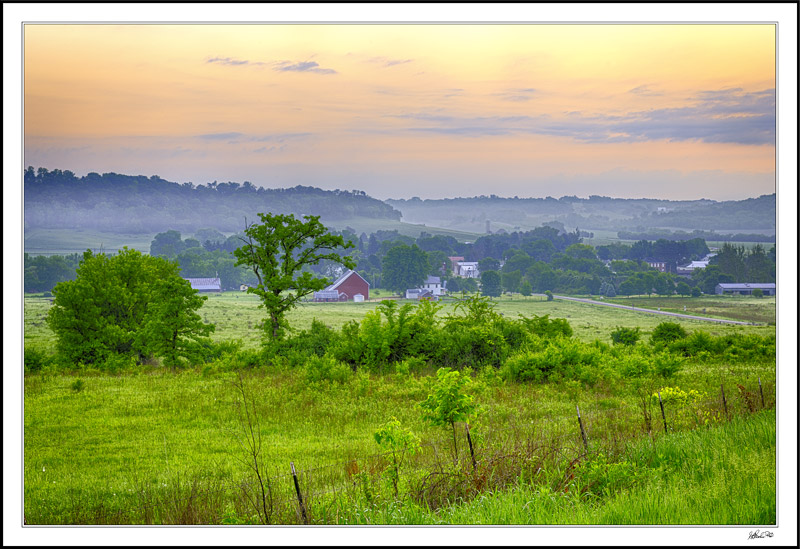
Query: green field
x=236, y=315
x=153, y=446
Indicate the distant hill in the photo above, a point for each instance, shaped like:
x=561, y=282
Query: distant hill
x=119, y=203
x=593, y=213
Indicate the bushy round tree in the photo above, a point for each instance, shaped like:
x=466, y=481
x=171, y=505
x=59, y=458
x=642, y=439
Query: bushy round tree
x=115, y=300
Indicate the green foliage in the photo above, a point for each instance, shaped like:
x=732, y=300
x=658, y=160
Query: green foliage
x=491, y=283
x=171, y=326
x=449, y=402
x=128, y=305
x=598, y=477
x=78, y=385
x=327, y=368
x=667, y=332
x=546, y=327
x=625, y=336
x=549, y=295
x=35, y=359
x=400, y=442
x=758, y=292
x=404, y=267
x=278, y=250
x=525, y=288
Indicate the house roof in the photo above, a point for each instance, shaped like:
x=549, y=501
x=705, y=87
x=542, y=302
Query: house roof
x=433, y=280
x=746, y=285
x=205, y=283
x=344, y=277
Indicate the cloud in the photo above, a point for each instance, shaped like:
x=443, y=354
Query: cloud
x=386, y=62
x=302, y=66
x=233, y=62
x=517, y=94
x=645, y=91
x=717, y=116
x=219, y=136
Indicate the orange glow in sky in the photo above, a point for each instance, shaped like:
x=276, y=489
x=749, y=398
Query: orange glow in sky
x=663, y=110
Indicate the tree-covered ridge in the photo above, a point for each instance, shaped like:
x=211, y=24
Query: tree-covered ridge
x=126, y=203
x=595, y=212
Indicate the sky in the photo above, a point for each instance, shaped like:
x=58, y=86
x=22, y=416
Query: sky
x=675, y=111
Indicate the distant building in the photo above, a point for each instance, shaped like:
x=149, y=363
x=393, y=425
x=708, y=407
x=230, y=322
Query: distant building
x=454, y=263
x=434, y=284
x=205, y=284
x=420, y=293
x=661, y=266
x=345, y=288
x=243, y=287
x=691, y=267
x=468, y=269
x=744, y=288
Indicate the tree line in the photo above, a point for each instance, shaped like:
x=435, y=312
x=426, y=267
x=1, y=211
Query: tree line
x=540, y=260
x=136, y=204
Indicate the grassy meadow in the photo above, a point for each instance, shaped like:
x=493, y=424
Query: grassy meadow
x=151, y=446
x=236, y=315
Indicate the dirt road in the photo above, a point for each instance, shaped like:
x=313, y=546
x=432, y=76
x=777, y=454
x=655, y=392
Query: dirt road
x=665, y=313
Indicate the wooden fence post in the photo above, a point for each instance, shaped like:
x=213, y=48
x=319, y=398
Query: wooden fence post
x=583, y=432
x=761, y=390
x=471, y=451
x=299, y=496
x=724, y=402
x=663, y=416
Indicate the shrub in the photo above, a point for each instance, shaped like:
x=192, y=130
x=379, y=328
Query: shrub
x=667, y=365
x=667, y=332
x=625, y=336
x=549, y=295
x=34, y=359
x=758, y=292
x=327, y=368
x=544, y=326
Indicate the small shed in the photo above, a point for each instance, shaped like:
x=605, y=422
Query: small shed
x=205, y=284
x=744, y=288
x=358, y=298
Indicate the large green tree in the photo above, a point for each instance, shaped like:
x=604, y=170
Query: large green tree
x=279, y=250
x=107, y=308
x=491, y=284
x=172, y=328
x=404, y=267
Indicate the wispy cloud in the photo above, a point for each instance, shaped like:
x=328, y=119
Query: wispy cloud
x=386, y=62
x=280, y=66
x=302, y=66
x=645, y=91
x=516, y=94
x=718, y=116
x=234, y=62
x=239, y=137
x=219, y=136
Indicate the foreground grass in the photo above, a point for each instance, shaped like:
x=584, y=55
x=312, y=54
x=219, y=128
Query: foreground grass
x=719, y=476
x=129, y=449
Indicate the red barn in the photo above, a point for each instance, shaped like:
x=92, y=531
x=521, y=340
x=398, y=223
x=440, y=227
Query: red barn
x=348, y=285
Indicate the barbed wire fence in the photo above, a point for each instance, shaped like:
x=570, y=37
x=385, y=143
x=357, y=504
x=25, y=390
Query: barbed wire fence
x=489, y=457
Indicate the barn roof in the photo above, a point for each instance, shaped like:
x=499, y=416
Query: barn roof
x=205, y=283
x=746, y=285
x=344, y=277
